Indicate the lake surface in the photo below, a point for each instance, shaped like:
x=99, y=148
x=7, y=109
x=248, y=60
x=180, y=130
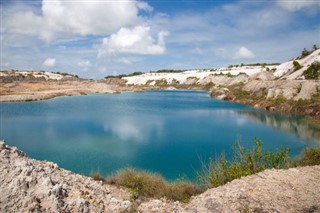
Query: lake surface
x=160, y=131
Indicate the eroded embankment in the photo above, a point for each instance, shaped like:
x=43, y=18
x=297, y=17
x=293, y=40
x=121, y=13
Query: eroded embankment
x=28, y=185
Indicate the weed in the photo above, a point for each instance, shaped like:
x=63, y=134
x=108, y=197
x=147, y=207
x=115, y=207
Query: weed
x=310, y=157
x=146, y=184
x=245, y=162
x=96, y=175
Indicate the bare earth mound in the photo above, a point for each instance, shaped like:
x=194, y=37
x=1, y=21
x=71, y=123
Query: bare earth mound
x=28, y=185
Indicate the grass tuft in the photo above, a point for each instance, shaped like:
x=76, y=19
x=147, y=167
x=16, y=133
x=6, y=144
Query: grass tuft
x=246, y=162
x=146, y=184
x=140, y=183
x=96, y=175
x=310, y=157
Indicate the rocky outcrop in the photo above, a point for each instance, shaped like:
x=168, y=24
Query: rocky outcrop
x=29, y=185
x=293, y=190
x=34, y=76
x=38, y=186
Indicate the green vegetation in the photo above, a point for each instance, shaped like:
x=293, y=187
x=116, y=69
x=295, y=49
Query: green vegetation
x=242, y=94
x=167, y=71
x=306, y=52
x=124, y=75
x=64, y=74
x=256, y=64
x=146, y=184
x=313, y=72
x=310, y=157
x=245, y=162
x=296, y=65
x=213, y=174
x=208, y=86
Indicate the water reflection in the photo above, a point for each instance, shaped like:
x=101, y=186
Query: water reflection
x=296, y=125
x=159, y=131
x=137, y=129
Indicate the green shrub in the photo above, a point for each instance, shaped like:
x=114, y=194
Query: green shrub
x=245, y=162
x=313, y=72
x=296, y=65
x=242, y=93
x=310, y=157
x=209, y=85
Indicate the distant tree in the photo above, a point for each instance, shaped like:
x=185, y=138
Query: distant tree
x=314, y=47
x=305, y=52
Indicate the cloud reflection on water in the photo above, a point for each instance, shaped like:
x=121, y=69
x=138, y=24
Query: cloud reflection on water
x=136, y=129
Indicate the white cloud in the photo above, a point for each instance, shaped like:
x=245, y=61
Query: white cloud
x=244, y=53
x=80, y=17
x=134, y=41
x=49, y=62
x=85, y=63
x=295, y=5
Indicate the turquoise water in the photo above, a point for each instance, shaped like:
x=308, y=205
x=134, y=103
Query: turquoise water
x=160, y=131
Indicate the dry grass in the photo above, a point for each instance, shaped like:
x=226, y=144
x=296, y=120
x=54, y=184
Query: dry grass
x=152, y=185
x=310, y=157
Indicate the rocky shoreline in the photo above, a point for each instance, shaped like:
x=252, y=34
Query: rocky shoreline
x=29, y=185
x=280, y=88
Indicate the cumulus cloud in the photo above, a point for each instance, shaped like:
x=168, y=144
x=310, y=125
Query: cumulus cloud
x=137, y=40
x=299, y=4
x=80, y=17
x=49, y=62
x=244, y=53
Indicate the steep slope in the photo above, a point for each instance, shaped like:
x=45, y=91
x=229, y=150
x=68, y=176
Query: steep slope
x=286, y=69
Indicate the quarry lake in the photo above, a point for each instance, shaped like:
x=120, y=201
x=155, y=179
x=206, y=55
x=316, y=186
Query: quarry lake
x=160, y=131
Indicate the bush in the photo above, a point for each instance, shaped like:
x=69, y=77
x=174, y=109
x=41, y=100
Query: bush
x=146, y=184
x=209, y=85
x=140, y=183
x=245, y=162
x=296, y=65
x=96, y=175
x=310, y=157
x=182, y=191
x=313, y=72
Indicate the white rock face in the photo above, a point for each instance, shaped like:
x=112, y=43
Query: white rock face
x=286, y=68
x=293, y=190
x=35, y=74
x=183, y=77
x=38, y=186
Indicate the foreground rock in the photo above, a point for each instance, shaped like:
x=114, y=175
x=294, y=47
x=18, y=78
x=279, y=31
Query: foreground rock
x=37, y=186
x=28, y=185
x=293, y=190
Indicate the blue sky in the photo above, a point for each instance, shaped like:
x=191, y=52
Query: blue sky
x=97, y=38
